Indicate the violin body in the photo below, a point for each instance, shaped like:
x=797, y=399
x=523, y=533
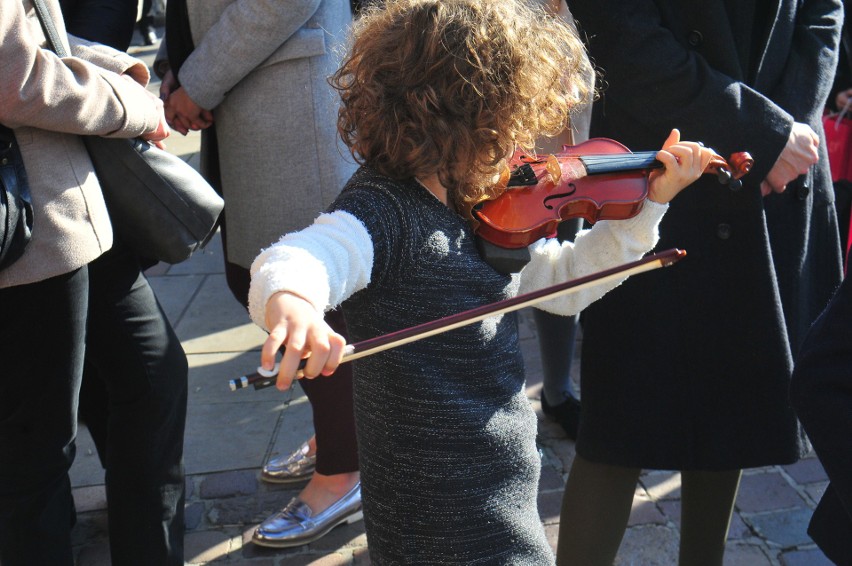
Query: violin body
x=599, y=179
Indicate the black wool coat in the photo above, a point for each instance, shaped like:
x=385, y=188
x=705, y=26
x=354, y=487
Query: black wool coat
x=821, y=392
x=688, y=367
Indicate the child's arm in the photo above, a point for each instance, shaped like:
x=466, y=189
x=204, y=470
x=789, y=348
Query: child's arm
x=613, y=242
x=295, y=280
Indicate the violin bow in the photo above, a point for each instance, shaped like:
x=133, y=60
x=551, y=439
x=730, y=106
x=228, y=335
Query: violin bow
x=264, y=378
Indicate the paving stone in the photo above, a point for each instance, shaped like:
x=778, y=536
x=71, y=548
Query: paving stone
x=193, y=515
x=349, y=536
x=786, y=528
x=549, y=506
x=205, y=261
x=745, y=555
x=661, y=484
x=815, y=491
x=334, y=559
x=248, y=510
x=550, y=479
x=766, y=492
x=215, y=322
x=807, y=557
x=644, y=511
x=175, y=293
x=202, y=547
x=737, y=531
x=564, y=452
x=92, y=498
x=94, y=555
x=229, y=484
x=807, y=470
x=229, y=436
x=86, y=471
x=648, y=545
x=90, y=527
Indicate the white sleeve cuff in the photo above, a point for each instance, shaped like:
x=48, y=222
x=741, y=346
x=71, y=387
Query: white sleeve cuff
x=607, y=244
x=324, y=264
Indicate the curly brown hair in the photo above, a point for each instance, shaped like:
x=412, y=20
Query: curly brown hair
x=451, y=87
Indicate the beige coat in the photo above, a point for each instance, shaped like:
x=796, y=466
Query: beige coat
x=48, y=101
x=262, y=67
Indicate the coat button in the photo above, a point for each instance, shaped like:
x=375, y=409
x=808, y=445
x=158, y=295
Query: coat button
x=723, y=231
x=803, y=191
x=695, y=38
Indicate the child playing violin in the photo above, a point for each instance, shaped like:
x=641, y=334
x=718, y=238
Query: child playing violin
x=435, y=95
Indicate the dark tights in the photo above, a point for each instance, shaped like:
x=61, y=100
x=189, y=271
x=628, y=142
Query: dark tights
x=596, y=507
x=330, y=397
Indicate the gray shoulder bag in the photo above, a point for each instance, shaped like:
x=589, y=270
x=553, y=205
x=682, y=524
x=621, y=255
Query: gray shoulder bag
x=159, y=205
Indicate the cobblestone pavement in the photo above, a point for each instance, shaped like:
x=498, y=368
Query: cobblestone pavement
x=229, y=436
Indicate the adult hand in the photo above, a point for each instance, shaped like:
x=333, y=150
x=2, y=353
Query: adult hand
x=168, y=85
x=796, y=158
x=295, y=323
x=842, y=99
x=184, y=114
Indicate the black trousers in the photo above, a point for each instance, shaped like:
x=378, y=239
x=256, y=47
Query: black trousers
x=106, y=21
x=144, y=370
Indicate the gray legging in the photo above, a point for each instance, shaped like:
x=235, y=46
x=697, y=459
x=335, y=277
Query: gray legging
x=596, y=507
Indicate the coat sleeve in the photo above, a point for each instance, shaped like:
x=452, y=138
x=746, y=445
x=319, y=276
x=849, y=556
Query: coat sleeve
x=653, y=76
x=812, y=60
x=228, y=52
x=66, y=95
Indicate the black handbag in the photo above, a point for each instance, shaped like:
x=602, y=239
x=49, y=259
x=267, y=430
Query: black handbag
x=16, y=209
x=159, y=205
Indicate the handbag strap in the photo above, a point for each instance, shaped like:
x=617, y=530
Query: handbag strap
x=54, y=40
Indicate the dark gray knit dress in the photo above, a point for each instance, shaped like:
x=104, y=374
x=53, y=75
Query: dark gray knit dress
x=446, y=435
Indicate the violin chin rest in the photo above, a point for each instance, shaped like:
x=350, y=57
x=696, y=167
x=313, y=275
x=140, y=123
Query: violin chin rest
x=504, y=260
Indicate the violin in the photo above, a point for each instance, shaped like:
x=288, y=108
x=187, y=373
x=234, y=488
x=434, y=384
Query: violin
x=599, y=179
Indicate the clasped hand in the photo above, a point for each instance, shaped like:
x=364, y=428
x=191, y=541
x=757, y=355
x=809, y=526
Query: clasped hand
x=182, y=113
x=799, y=154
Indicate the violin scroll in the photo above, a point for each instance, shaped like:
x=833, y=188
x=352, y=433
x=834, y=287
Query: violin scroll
x=731, y=171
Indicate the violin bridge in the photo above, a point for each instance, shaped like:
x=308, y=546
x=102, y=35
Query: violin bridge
x=553, y=169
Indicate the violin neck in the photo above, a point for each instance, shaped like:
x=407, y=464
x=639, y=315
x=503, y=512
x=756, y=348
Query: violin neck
x=620, y=163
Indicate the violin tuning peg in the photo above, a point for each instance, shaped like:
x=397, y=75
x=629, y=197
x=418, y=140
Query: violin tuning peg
x=735, y=184
x=724, y=176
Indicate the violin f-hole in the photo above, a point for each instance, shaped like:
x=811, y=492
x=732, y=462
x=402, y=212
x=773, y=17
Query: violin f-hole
x=573, y=190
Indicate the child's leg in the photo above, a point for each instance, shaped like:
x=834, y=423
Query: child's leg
x=595, y=510
x=707, y=501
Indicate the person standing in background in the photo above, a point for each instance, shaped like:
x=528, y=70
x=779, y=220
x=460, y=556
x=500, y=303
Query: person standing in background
x=51, y=320
x=146, y=23
x=707, y=393
x=269, y=142
x=557, y=334
x=821, y=393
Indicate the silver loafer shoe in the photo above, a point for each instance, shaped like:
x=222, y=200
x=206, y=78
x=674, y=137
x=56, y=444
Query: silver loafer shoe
x=296, y=524
x=296, y=467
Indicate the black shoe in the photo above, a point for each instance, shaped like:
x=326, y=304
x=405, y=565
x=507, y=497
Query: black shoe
x=566, y=413
x=149, y=36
